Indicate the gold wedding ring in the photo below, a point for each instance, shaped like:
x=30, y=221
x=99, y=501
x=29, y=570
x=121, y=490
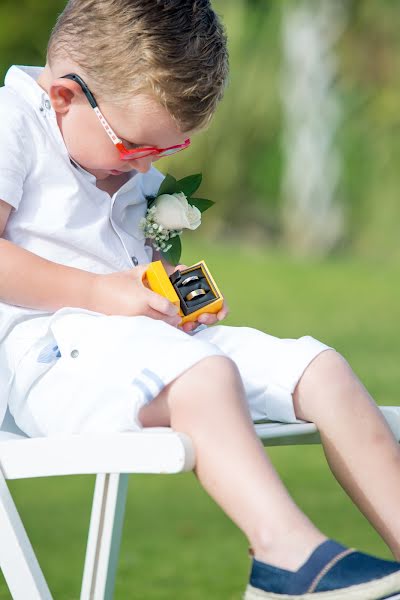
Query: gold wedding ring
x=195, y=293
x=189, y=279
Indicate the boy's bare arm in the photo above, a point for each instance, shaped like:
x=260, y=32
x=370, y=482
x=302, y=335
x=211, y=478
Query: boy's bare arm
x=31, y=281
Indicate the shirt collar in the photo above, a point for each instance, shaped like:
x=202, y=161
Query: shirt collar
x=23, y=80
x=134, y=177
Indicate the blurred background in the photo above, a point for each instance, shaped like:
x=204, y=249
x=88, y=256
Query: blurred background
x=303, y=152
x=302, y=162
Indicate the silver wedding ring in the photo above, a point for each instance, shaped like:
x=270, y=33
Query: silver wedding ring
x=189, y=279
x=195, y=293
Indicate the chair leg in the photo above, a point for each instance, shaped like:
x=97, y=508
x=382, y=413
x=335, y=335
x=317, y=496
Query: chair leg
x=104, y=536
x=17, y=559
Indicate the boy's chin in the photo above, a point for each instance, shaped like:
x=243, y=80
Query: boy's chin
x=101, y=174
x=115, y=172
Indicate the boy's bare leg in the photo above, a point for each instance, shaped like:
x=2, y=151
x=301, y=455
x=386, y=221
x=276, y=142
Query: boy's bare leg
x=208, y=403
x=360, y=448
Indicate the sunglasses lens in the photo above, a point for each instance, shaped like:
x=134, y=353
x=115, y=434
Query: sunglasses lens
x=135, y=155
x=170, y=151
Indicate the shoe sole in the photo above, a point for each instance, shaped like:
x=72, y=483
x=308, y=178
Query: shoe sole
x=373, y=590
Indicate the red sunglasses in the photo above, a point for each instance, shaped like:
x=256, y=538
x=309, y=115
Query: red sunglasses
x=124, y=153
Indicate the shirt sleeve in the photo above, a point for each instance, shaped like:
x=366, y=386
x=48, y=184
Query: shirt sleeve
x=14, y=151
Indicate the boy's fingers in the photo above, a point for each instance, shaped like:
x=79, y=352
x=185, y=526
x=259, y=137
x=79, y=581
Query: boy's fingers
x=189, y=326
x=161, y=304
x=180, y=268
x=207, y=319
x=141, y=276
x=211, y=318
x=154, y=314
x=140, y=271
x=223, y=312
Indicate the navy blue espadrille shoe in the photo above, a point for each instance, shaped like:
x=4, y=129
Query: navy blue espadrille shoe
x=332, y=572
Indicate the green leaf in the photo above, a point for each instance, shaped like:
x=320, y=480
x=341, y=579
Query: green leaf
x=150, y=201
x=173, y=255
x=188, y=185
x=201, y=203
x=168, y=186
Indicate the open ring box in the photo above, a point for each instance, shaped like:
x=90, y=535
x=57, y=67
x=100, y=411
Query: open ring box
x=192, y=289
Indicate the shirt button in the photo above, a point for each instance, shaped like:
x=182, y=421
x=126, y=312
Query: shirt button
x=74, y=353
x=47, y=104
x=135, y=260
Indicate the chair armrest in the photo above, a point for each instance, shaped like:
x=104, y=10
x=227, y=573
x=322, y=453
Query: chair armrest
x=153, y=450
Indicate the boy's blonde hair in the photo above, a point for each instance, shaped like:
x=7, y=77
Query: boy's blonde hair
x=174, y=50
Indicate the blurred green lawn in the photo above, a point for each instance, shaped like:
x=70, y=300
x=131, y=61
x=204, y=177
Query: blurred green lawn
x=177, y=544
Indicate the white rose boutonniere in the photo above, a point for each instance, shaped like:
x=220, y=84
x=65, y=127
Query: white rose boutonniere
x=173, y=211
x=170, y=211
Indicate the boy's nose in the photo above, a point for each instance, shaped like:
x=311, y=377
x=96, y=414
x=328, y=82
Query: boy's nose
x=142, y=164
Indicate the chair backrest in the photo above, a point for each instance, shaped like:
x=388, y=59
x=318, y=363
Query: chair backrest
x=9, y=426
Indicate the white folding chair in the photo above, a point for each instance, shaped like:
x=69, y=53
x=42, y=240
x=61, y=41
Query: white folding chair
x=111, y=457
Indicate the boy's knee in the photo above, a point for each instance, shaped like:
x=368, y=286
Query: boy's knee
x=324, y=382
x=218, y=368
x=328, y=367
x=208, y=377
x=330, y=362
x=211, y=376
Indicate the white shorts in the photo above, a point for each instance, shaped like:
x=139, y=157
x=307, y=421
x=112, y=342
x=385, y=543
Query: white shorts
x=79, y=371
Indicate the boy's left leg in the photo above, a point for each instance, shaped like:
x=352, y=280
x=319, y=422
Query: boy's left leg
x=359, y=445
x=208, y=403
x=287, y=380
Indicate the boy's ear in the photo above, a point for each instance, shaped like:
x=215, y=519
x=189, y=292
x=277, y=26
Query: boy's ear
x=62, y=94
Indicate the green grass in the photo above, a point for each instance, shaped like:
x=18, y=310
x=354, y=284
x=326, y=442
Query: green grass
x=177, y=544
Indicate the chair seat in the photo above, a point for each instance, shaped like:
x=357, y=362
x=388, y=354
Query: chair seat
x=284, y=434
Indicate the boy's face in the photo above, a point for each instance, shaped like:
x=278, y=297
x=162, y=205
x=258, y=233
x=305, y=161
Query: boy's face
x=142, y=122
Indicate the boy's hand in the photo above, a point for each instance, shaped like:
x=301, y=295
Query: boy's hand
x=204, y=318
x=125, y=293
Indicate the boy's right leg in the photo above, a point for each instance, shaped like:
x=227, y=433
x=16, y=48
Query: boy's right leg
x=293, y=558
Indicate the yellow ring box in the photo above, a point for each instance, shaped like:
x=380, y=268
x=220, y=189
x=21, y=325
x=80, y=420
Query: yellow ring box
x=159, y=282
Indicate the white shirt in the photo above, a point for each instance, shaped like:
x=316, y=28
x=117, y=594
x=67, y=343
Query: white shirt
x=59, y=213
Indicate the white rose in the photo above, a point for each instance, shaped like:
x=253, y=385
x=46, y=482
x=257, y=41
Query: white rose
x=174, y=212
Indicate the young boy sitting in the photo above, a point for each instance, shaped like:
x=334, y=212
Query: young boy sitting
x=86, y=346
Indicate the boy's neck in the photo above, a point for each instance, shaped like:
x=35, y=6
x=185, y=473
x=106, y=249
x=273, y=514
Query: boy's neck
x=112, y=183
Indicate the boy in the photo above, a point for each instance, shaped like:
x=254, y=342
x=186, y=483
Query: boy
x=86, y=346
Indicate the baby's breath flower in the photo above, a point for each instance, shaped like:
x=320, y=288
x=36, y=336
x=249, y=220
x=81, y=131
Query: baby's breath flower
x=159, y=234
